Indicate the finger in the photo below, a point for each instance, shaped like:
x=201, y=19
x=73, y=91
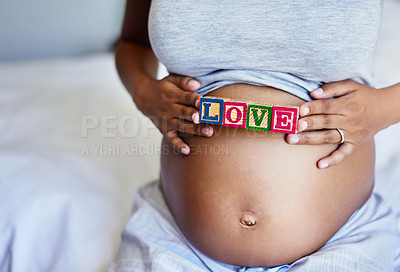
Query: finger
x=189, y=99
x=330, y=136
x=186, y=113
x=330, y=106
x=321, y=121
x=191, y=128
x=337, y=156
x=334, y=89
x=196, y=117
x=177, y=143
x=185, y=83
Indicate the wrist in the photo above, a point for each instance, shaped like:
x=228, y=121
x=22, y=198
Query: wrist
x=389, y=105
x=137, y=67
x=143, y=92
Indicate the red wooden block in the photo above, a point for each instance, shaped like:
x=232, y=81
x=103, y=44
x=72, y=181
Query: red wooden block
x=235, y=114
x=284, y=119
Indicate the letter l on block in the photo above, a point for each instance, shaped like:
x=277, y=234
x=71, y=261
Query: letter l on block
x=211, y=110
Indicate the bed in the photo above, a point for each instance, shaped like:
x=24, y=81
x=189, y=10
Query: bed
x=74, y=149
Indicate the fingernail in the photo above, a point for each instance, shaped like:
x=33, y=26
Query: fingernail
x=305, y=111
x=185, y=150
x=193, y=83
x=206, y=131
x=303, y=125
x=323, y=164
x=318, y=92
x=195, y=118
x=293, y=138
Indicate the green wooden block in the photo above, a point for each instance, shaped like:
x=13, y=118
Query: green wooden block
x=259, y=117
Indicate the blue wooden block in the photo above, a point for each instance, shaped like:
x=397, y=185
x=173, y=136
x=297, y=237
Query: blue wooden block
x=211, y=110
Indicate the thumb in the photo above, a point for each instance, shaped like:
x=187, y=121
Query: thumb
x=186, y=83
x=334, y=89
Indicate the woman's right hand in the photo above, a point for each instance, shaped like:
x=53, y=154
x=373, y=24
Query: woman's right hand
x=172, y=105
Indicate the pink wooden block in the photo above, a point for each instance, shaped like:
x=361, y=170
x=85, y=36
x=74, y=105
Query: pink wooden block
x=284, y=119
x=235, y=114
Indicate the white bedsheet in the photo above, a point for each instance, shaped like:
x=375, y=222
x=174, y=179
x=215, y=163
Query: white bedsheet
x=65, y=196
x=62, y=205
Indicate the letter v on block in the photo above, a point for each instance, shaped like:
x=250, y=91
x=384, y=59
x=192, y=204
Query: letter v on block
x=259, y=117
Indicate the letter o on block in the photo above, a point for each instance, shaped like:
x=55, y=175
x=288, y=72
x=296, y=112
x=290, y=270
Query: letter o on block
x=235, y=114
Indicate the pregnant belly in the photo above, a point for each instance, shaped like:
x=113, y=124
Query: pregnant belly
x=248, y=198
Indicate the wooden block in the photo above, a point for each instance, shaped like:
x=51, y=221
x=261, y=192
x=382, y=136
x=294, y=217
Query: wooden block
x=284, y=119
x=235, y=114
x=246, y=114
x=259, y=117
x=211, y=110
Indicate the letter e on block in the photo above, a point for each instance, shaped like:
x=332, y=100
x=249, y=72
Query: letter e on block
x=235, y=114
x=259, y=117
x=284, y=120
x=211, y=110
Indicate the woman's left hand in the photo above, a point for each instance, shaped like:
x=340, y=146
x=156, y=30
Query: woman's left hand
x=358, y=111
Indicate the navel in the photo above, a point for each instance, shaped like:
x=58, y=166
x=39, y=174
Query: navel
x=248, y=219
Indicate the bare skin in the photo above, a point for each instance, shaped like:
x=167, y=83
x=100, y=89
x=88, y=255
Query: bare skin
x=169, y=102
x=265, y=203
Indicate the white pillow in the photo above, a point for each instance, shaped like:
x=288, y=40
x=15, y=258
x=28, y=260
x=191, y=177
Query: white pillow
x=48, y=28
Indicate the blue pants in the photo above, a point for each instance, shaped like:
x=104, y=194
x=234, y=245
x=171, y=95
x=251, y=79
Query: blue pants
x=151, y=241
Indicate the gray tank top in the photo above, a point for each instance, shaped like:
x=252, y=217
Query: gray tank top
x=295, y=46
